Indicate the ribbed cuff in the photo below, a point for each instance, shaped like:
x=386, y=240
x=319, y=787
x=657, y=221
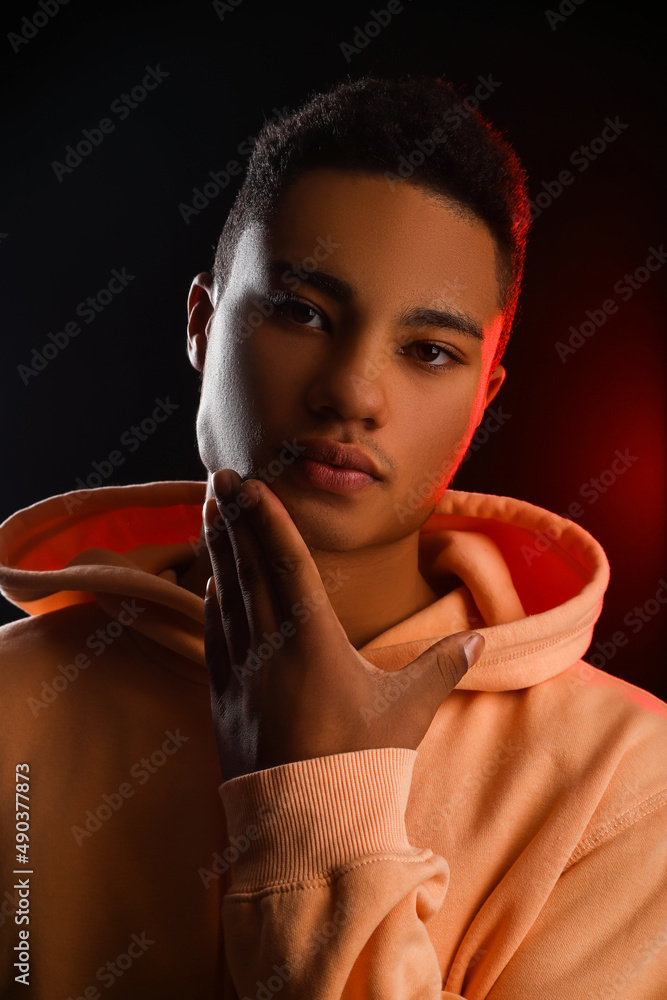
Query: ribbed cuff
x=306, y=819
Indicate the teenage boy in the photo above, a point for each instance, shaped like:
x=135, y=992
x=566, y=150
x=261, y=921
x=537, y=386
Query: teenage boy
x=368, y=815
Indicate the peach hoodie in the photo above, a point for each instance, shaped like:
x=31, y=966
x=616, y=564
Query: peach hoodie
x=519, y=853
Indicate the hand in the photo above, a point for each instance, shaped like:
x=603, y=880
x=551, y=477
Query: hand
x=285, y=689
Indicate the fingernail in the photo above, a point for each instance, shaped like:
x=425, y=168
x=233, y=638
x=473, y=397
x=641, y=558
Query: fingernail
x=221, y=483
x=474, y=647
x=210, y=587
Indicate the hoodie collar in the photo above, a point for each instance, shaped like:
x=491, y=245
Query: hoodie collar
x=530, y=581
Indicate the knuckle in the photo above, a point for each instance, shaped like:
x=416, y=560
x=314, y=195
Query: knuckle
x=284, y=565
x=449, y=669
x=219, y=524
x=248, y=571
x=228, y=617
x=216, y=526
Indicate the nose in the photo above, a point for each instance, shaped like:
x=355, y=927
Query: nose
x=354, y=379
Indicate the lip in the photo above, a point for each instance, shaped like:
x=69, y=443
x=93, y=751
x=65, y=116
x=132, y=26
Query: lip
x=332, y=478
x=349, y=457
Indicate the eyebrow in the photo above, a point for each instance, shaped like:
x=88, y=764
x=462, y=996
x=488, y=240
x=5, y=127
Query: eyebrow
x=343, y=292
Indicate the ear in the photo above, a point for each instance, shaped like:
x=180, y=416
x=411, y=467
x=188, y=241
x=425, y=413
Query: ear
x=200, y=312
x=496, y=379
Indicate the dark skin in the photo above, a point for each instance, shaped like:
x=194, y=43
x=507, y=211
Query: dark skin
x=353, y=370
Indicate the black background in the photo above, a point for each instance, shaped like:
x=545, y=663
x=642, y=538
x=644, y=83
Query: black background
x=120, y=209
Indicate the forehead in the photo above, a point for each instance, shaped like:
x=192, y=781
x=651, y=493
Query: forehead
x=393, y=239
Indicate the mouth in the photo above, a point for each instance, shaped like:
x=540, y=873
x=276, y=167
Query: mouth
x=339, y=455
x=335, y=467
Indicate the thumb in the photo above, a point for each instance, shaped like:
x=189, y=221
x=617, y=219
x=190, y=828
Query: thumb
x=445, y=663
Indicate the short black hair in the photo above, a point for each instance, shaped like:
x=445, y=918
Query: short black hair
x=387, y=127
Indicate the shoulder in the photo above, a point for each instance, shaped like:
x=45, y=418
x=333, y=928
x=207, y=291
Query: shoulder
x=615, y=735
x=49, y=630
x=51, y=649
x=588, y=689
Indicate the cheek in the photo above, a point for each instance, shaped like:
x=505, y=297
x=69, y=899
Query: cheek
x=226, y=422
x=271, y=382
x=430, y=470
x=436, y=420
x=437, y=433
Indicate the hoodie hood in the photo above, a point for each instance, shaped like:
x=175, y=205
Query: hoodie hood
x=531, y=582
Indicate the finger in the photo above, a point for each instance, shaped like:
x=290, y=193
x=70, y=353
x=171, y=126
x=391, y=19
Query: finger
x=435, y=673
x=230, y=600
x=260, y=600
x=215, y=644
x=294, y=574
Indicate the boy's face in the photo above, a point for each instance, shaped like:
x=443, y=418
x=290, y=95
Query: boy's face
x=351, y=370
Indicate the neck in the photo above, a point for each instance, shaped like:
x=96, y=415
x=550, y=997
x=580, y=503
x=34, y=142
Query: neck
x=369, y=589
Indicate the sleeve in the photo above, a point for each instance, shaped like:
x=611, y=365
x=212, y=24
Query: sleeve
x=328, y=899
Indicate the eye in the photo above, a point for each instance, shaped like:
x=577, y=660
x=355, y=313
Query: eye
x=448, y=354
x=295, y=310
